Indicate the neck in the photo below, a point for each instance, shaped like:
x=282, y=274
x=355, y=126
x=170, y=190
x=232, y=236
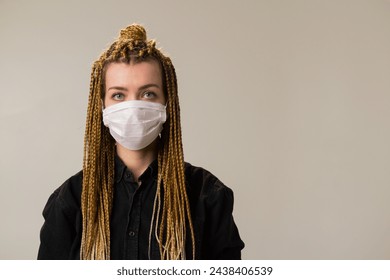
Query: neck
x=138, y=161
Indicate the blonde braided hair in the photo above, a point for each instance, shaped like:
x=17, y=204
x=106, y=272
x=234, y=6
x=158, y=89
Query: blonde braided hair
x=171, y=211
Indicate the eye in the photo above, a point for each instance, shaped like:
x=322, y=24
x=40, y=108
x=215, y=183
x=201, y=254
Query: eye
x=118, y=96
x=149, y=95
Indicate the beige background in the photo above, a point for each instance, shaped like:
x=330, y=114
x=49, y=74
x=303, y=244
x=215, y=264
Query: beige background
x=287, y=102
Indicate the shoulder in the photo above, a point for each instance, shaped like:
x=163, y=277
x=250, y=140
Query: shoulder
x=205, y=185
x=67, y=197
x=212, y=213
x=60, y=233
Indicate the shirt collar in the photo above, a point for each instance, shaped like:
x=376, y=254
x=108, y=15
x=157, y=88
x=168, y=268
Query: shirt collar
x=120, y=169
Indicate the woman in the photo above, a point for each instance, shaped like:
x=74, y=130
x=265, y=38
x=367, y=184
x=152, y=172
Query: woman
x=136, y=198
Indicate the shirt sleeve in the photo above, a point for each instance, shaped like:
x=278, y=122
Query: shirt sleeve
x=58, y=232
x=222, y=238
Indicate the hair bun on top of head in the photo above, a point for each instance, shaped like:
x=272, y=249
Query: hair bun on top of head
x=134, y=32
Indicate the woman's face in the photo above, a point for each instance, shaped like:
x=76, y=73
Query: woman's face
x=134, y=81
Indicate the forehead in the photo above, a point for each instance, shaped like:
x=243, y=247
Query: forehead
x=137, y=73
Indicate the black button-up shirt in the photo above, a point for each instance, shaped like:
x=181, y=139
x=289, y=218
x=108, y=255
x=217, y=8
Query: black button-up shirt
x=211, y=203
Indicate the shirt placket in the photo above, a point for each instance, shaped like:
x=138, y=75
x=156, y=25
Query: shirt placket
x=134, y=225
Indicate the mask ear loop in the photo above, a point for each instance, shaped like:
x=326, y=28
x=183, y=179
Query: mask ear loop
x=165, y=107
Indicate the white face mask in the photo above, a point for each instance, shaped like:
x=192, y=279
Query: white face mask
x=135, y=124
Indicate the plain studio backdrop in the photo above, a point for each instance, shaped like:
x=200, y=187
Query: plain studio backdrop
x=286, y=102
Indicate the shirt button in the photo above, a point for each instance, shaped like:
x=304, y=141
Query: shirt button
x=132, y=233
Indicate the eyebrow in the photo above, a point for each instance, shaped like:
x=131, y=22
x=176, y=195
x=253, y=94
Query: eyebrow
x=149, y=85
x=118, y=88
x=141, y=88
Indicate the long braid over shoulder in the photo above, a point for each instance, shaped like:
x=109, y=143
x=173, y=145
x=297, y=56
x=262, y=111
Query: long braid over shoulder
x=171, y=211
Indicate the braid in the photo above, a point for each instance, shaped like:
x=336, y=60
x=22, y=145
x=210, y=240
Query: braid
x=176, y=204
x=96, y=198
x=171, y=216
